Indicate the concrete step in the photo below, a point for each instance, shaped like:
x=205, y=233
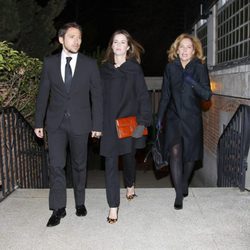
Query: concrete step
x=144, y=179
x=212, y=218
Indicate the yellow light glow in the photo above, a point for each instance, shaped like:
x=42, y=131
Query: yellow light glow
x=215, y=86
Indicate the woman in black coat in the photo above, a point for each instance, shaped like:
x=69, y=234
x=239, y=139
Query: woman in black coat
x=125, y=94
x=185, y=84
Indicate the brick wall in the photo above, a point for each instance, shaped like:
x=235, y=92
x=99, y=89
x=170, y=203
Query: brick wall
x=231, y=87
x=221, y=111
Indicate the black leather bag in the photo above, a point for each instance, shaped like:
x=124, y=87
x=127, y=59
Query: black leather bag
x=157, y=153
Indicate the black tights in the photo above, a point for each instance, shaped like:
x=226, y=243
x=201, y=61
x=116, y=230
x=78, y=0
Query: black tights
x=180, y=174
x=187, y=172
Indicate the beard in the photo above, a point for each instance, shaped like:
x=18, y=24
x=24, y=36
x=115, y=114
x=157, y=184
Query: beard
x=70, y=50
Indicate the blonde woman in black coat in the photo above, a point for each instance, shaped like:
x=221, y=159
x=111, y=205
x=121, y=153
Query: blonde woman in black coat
x=185, y=84
x=125, y=94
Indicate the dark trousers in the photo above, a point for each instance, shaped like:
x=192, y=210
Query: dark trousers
x=58, y=142
x=113, y=178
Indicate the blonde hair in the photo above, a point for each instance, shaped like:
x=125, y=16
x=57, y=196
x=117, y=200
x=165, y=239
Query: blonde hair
x=134, y=51
x=198, y=51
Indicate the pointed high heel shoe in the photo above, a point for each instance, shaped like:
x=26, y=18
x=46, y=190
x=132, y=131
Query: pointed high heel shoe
x=111, y=220
x=131, y=197
x=178, y=204
x=131, y=190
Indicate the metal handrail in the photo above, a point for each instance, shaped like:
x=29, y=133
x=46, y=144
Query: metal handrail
x=23, y=158
x=232, y=151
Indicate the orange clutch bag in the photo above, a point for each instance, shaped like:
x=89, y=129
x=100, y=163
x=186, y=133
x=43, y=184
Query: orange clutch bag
x=125, y=126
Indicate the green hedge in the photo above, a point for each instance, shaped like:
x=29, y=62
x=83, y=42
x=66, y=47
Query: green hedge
x=19, y=80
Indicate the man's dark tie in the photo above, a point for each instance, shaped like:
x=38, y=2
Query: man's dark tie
x=68, y=74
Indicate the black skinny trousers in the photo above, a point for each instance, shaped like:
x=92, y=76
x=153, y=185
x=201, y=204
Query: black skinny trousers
x=112, y=176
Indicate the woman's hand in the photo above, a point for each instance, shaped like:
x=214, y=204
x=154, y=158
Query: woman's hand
x=189, y=79
x=138, y=132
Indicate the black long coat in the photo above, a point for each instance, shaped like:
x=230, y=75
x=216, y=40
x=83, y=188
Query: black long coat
x=125, y=94
x=181, y=101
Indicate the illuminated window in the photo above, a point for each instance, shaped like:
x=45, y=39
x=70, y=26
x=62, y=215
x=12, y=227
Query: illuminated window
x=233, y=30
x=202, y=35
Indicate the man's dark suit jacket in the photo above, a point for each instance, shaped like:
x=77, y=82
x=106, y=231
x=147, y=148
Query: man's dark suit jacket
x=53, y=101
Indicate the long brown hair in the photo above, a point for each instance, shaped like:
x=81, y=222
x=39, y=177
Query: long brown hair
x=198, y=51
x=134, y=51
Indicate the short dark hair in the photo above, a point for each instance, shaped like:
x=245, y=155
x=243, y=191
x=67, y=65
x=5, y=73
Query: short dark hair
x=62, y=31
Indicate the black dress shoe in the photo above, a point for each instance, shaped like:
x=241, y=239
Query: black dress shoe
x=185, y=194
x=56, y=217
x=81, y=210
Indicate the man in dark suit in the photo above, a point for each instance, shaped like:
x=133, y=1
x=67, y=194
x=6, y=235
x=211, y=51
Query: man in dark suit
x=68, y=80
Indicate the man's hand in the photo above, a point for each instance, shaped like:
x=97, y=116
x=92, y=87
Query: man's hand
x=96, y=134
x=39, y=132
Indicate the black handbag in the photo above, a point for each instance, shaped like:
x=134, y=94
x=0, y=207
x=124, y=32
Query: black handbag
x=157, y=153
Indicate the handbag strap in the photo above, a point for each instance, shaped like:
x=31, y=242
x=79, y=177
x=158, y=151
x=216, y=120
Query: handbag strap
x=156, y=140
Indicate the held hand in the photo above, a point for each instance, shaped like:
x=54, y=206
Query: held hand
x=39, y=132
x=188, y=79
x=138, y=132
x=96, y=134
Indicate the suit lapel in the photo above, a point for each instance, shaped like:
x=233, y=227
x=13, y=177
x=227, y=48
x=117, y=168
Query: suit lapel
x=58, y=73
x=78, y=62
x=58, y=63
x=58, y=69
x=77, y=71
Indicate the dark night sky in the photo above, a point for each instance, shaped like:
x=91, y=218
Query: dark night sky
x=153, y=23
